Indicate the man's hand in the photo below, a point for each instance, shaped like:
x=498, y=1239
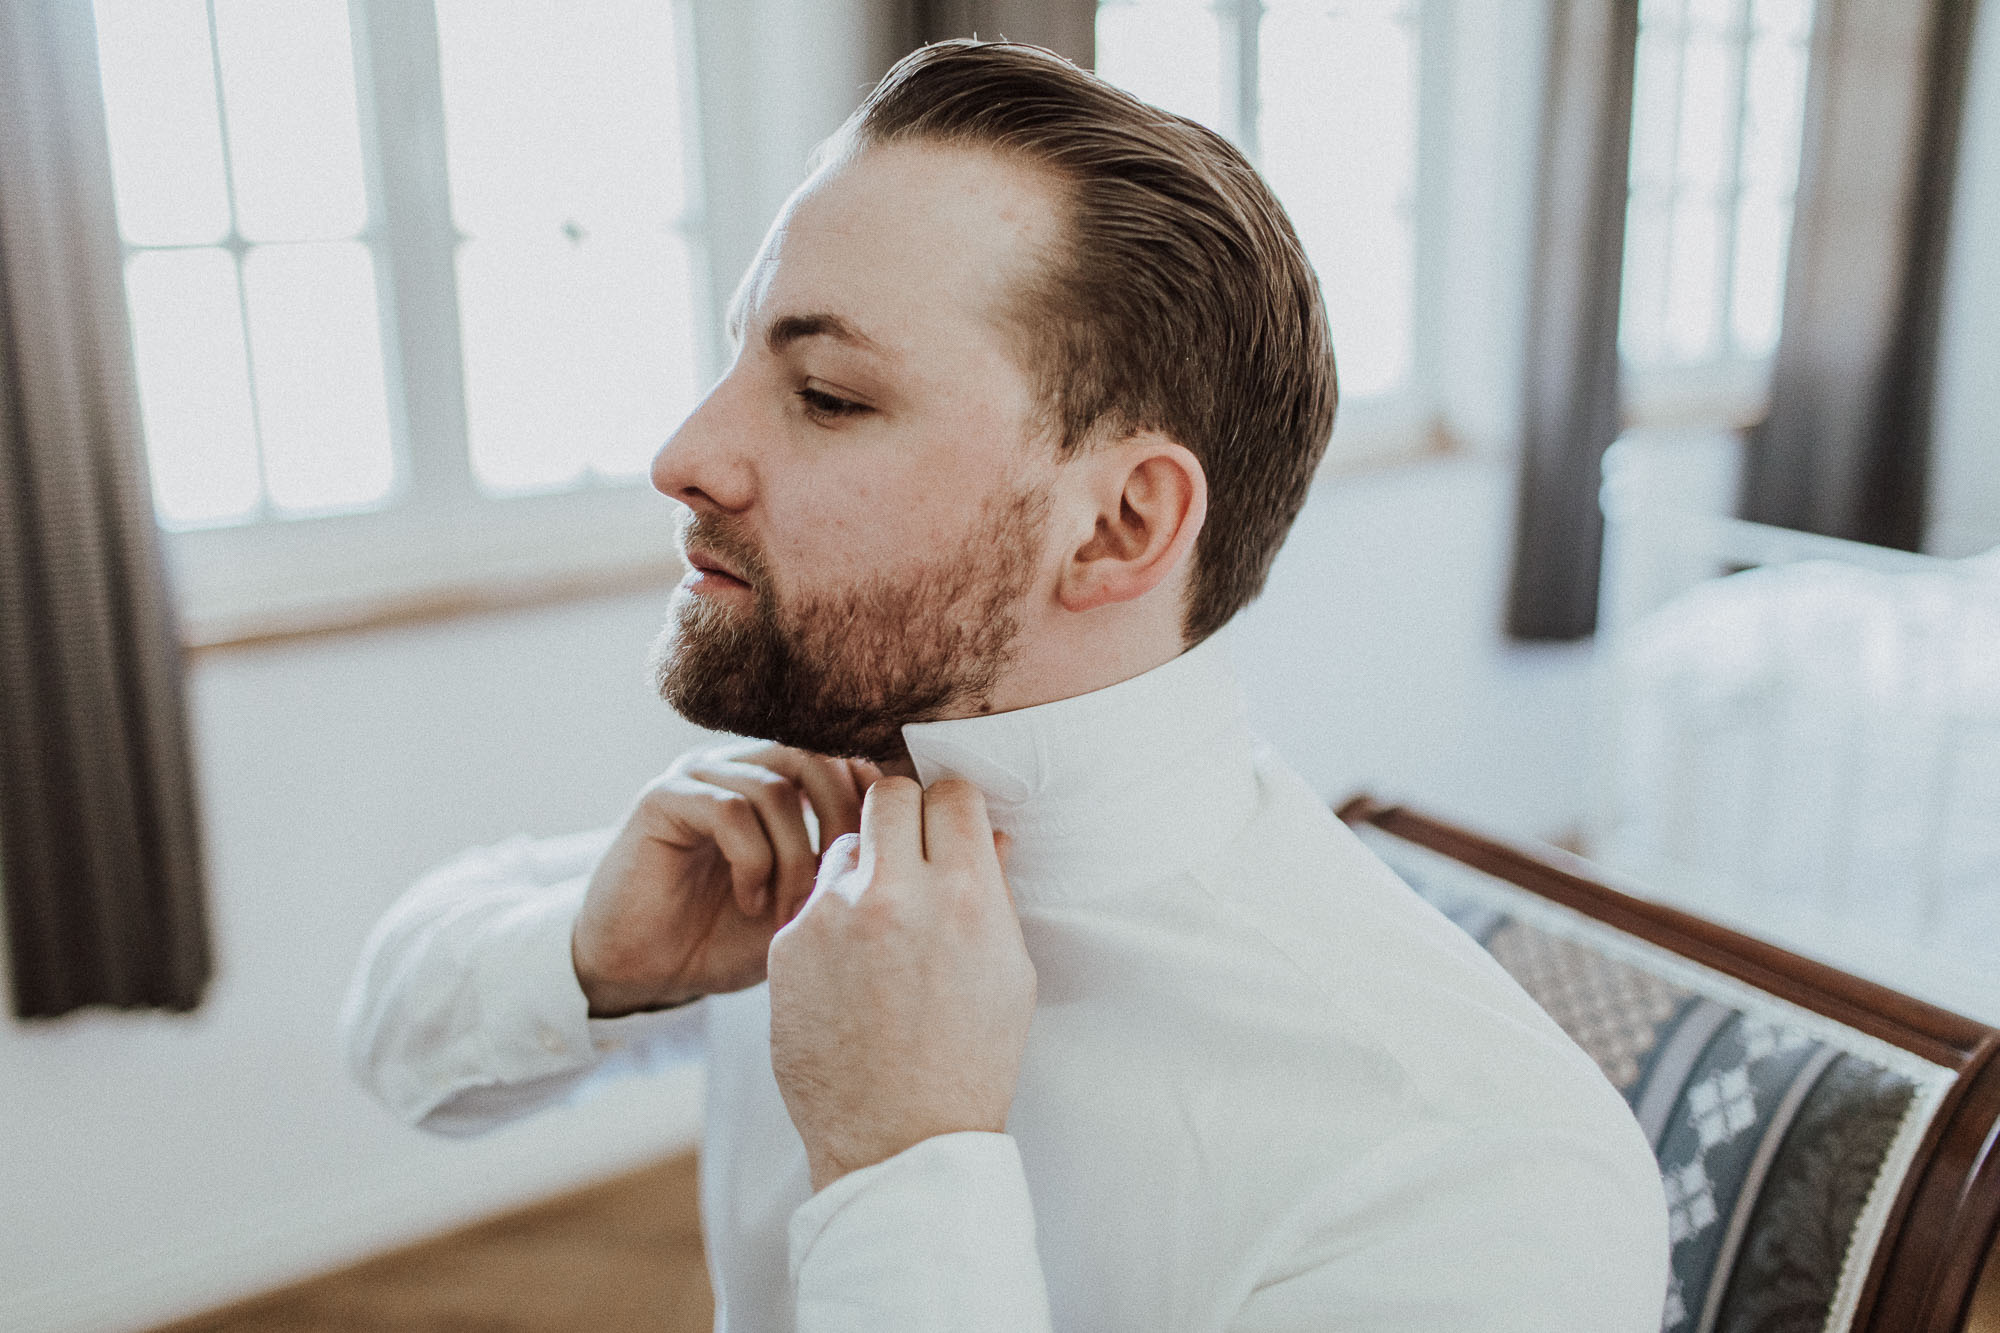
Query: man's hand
x=901, y=995
x=713, y=859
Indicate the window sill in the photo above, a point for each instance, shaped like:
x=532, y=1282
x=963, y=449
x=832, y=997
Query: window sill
x=287, y=580
x=356, y=612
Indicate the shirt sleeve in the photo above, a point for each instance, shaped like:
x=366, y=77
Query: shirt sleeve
x=940, y=1236
x=465, y=1012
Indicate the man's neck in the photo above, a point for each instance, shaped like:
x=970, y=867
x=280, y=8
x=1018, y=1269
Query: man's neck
x=1083, y=654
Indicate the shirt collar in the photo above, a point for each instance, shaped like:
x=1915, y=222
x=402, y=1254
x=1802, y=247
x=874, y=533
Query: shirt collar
x=1111, y=788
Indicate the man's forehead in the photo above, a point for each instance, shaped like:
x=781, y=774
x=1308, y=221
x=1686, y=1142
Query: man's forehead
x=898, y=246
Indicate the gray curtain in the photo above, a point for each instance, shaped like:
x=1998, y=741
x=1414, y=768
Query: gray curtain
x=100, y=866
x=1570, y=402
x=1845, y=449
x=1067, y=27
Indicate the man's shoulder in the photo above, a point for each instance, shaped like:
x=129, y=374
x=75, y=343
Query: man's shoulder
x=1309, y=881
x=1382, y=969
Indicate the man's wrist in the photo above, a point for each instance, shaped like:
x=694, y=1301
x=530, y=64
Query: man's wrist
x=609, y=997
x=829, y=1162
x=610, y=1000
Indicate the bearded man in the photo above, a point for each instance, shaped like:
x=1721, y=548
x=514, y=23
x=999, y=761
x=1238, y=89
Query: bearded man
x=1076, y=1009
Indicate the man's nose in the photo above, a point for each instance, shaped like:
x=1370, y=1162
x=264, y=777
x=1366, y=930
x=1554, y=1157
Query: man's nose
x=702, y=464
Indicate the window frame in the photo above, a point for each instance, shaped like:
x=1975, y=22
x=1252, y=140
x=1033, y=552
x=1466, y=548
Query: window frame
x=1730, y=389
x=1413, y=421
x=439, y=539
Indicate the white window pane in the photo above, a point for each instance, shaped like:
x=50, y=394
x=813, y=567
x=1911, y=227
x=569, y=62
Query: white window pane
x=1774, y=113
x=1338, y=86
x=578, y=357
x=294, y=138
x=1368, y=283
x=318, y=365
x=1167, y=52
x=1708, y=114
x=1785, y=20
x=1655, y=109
x=1642, y=305
x=159, y=110
x=1763, y=236
x=1339, y=99
x=561, y=113
x=194, y=390
x=1693, y=276
x=1713, y=17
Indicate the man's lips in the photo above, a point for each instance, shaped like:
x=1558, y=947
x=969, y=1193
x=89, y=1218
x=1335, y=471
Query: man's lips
x=708, y=567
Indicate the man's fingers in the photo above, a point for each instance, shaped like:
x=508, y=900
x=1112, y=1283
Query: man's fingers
x=776, y=800
x=836, y=803
x=731, y=822
x=837, y=867
x=833, y=787
x=956, y=829
x=892, y=824
x=835, y=796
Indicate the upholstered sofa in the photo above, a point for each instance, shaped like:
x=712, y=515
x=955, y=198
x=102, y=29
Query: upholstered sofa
x=1830, y=1148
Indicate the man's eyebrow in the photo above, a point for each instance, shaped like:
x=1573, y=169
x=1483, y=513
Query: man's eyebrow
x=788, y=329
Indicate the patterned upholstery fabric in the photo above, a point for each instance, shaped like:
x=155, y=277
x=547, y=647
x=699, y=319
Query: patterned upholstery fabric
x=1782, y=1136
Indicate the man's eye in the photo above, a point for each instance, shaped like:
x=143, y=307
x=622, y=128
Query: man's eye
x=825, y=407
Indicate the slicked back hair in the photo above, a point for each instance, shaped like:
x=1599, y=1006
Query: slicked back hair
x=1181, y=300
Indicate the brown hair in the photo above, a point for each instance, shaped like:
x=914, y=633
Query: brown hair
x=1184, y=302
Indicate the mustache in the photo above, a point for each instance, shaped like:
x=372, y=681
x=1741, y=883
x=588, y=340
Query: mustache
x=724, y=536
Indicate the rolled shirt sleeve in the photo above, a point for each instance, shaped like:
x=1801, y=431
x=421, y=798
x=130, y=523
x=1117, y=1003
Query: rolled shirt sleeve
x=465, y=1012
x=940, y=1236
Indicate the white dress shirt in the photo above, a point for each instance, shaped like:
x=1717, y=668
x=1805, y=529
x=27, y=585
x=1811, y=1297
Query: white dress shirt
x=1266, y=1087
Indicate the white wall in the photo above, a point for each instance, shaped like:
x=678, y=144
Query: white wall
x=1965, y=481
x=153, y=1165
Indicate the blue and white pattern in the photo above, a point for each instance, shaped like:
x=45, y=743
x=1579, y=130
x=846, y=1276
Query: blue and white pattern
x=1775, y=1128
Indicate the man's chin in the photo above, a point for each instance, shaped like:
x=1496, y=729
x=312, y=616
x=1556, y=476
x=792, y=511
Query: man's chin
x=726, y=677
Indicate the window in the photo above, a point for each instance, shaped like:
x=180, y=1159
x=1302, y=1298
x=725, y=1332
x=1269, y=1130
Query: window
x=1717, y=119
x=413, y=286
x=1325, y=96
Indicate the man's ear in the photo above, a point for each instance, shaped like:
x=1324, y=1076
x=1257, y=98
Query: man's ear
x=1150, y=496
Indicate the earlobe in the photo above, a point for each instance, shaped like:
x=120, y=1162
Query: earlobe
x=1151, y=499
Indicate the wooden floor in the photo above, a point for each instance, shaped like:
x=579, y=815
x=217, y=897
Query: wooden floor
x=619, y=1257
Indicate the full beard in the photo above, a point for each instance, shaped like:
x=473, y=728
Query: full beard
x=840, y=674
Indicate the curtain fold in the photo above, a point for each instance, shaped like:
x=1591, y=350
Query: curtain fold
x=1845, y=448
x=100, y=862
x=1570, y=402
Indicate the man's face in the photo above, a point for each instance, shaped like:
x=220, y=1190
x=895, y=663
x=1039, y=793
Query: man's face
x=866, y=488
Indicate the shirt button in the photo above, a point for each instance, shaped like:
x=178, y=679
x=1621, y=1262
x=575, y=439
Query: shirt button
x=552, y=1040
